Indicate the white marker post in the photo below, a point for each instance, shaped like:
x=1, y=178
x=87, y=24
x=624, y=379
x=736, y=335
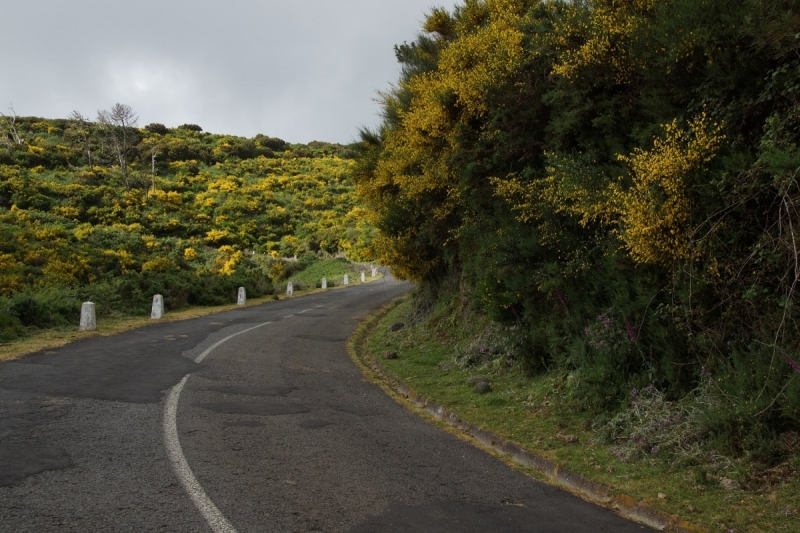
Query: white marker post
x=241, y=298
x=374, y=272
x=158, y=307
x=290, y=289
x=346, y=280
x=324, y=283
x=88, y=317
x=363, y=277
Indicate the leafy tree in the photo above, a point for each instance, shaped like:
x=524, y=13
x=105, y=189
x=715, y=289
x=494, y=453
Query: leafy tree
x=156, y=127
x=634, y=160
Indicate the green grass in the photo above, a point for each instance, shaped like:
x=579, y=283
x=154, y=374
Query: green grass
x=332, y=269
x=529, y=411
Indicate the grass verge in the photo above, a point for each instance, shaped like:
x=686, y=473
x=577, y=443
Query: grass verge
x=333, y=270
x=524, y=410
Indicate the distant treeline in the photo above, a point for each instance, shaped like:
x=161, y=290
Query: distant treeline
x=616, y=178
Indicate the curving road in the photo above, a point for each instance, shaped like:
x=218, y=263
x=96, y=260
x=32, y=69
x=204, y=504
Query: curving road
x=250, y=420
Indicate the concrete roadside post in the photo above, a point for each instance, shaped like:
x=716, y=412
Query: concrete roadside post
x=290, y=289
x=241, y=298
x=88, y=317
x=324, y=283
x=158, y=307
x=374, y=272
x=363, y=277
x=346, y=280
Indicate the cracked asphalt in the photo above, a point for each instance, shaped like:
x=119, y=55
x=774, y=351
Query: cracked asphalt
x=277, y=424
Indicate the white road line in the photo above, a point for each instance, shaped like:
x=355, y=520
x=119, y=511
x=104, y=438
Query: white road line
x=211, y=348
x=305, y=311
x=179, y=463
x=181, y=467
x=288, y=316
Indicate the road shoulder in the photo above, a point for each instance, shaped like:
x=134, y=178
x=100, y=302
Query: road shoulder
x=364, y=354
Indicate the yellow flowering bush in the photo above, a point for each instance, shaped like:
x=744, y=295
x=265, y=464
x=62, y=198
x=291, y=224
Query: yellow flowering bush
x=656, y=211
x=227, y=260
x=159, y=264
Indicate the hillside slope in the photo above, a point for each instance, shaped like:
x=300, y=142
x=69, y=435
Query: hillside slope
x=189, y=214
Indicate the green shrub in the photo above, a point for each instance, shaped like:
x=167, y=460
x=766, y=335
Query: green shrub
x=157, y=127
x=10, y=326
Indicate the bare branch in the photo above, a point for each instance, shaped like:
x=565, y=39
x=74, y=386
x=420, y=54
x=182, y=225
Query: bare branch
x=11, y=124
x=117, y=123
x=81, y=127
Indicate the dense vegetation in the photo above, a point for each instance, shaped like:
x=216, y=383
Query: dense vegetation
x=114, y=213
x=614, y=184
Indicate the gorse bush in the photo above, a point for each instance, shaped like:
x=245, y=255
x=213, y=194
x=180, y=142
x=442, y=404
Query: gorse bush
x=615, y=179
x=190, y=215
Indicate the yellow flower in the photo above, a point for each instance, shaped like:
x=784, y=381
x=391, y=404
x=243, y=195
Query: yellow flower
x=656, y=210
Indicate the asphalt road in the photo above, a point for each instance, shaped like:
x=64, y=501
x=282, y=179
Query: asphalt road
x=274, y=430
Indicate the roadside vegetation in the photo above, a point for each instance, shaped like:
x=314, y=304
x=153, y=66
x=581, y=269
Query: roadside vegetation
x=653, y=449
x=600, y=198
x=110, y=212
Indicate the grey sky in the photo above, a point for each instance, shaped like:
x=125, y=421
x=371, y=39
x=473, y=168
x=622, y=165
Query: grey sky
x=301, y=70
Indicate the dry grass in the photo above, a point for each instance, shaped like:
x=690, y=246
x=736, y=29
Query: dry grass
x=43, y=340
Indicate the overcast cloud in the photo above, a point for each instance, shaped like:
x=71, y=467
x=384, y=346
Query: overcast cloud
x=301, y=70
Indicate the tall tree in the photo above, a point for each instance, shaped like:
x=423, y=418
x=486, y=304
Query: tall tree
x=118, y=124
x=81, y=129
